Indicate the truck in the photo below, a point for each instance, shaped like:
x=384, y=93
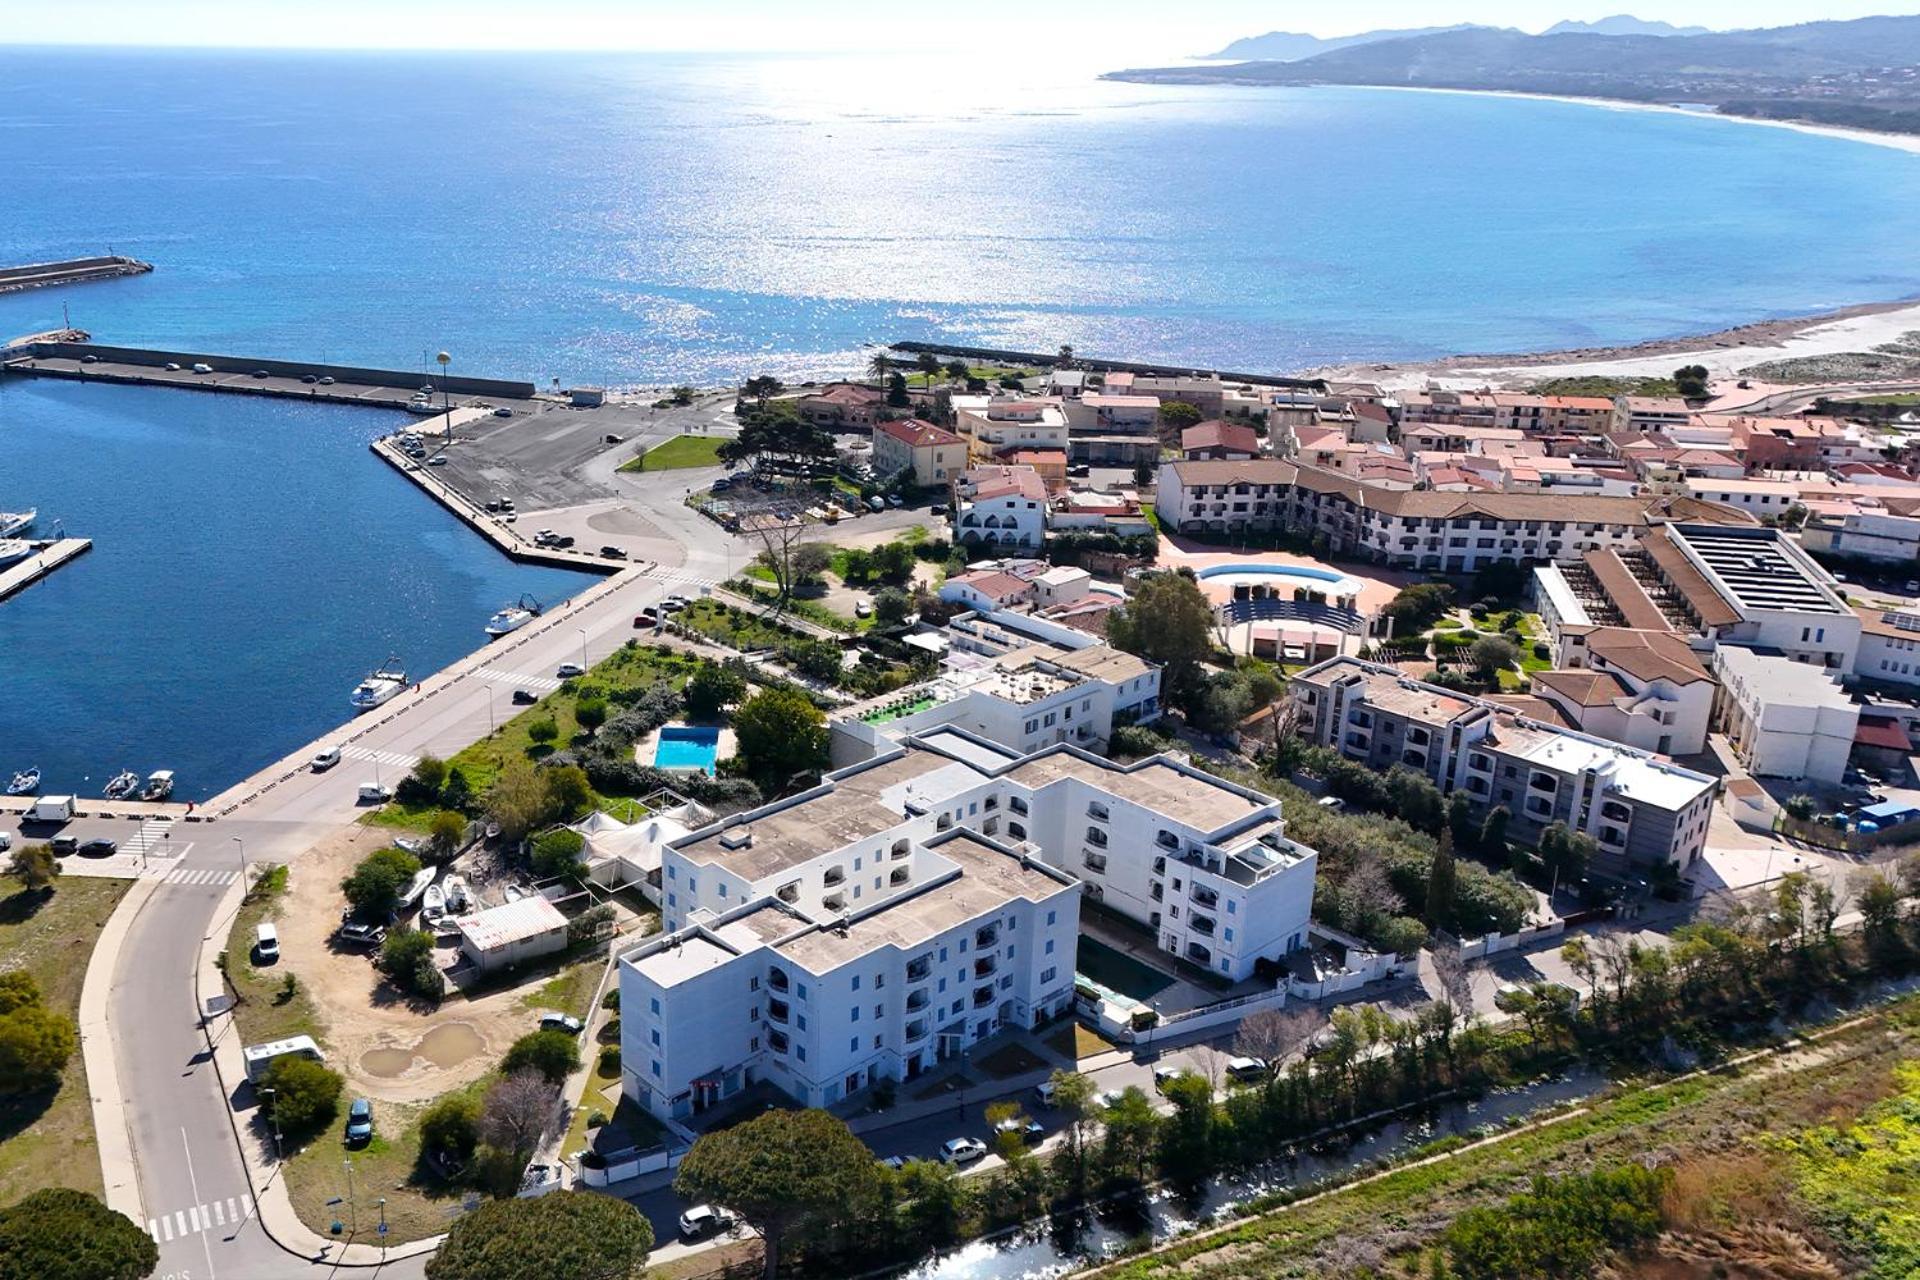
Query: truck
x=51, y=809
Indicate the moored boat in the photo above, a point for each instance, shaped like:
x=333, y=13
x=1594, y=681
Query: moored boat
x=124, y=784
x=12, y=549
x=513, y=617
x=457, y=897
x=382, y=684
x=433, y=903
x=24, y=783
x=15, y=523
x=159, y=785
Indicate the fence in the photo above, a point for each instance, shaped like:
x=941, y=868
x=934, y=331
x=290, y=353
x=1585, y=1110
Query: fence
x=1207, y=1016
x=1847, y=841
x=623, y=1165
x=1495, y=943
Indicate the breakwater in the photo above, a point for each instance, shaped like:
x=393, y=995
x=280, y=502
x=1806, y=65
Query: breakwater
x=47, y=556
x=250, y=375
x=997, y=356
x=41, y=275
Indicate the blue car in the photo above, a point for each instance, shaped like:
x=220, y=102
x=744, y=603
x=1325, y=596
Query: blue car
x=359, y=1122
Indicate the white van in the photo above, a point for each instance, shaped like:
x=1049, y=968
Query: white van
x=260, y=1057
x=266, y=943
x=374, y=793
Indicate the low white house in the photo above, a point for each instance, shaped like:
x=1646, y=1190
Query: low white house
x=512, y=934
x=1784, y=719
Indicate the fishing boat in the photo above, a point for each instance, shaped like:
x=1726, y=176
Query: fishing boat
x=456, y=889
x=513, y=617
x=124, y=784
x=421, y=880
x=12, y=549
x=433, y=903
x=382, y=684
x=159, y=785
x=15, y=523
x=24, y=784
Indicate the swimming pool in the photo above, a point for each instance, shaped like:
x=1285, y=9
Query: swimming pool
x=687, y=747
x=1269, y=570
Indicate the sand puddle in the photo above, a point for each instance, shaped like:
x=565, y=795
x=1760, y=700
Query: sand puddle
x=444, y=1047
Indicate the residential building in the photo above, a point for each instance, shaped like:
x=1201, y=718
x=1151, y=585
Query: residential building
x=1541, y=415
x=841, y=404
x=1650, y=413
x=1868, y=535
x=932, y=454
x=1784, y=719
x=987, y=589
x=996, y=427
x=1756, y=497
x=1641, y=811
x=1646, y=689
x=1113, y=428
x=1889, y=646
x=1220, y=439
x=1003, y=507
x=1057, y=632
x=912, y=907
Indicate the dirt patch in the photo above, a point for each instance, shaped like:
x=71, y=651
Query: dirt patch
x=1010, y=1060
x=390, y=1048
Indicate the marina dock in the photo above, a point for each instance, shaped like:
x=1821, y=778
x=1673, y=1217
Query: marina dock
x=253, y=375
x=48, y=556
x=41, y=275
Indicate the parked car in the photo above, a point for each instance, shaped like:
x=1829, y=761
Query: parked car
x=1164, y=1076
x=524, y=697
x=359, y=1122
x=701, y=1221
x=1043, y=1093
x=1030, y=1131
x=896, y=1163
x=720, y=486
x=937, y=509
x=568, y=670
x=674, y=604
x=89, y=359
x=646, y=621
x=564, y=540
x=1247, y=1068
x=876, y=503
x=325, y=760
x=374, y=793
x=261, y=373
x=1079, y=469
x=895, y=500
x=64, y=845
x=358, y=933
x=562, y=1022
x=172, y=367
x=612, y=552
x=437, y=460
x=326, y=380
x=503, y=412
x=98, y=849
x=309, y=378
x=203, y=368
x=1912, y=588
x=962, y=1150
x=6, y=842
x=1106, y=1099
x=266, y=943
x=862, y=607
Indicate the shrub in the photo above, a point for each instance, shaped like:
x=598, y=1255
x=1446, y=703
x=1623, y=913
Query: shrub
x=61, y=1234
x=543, y=730
x=1563, y=1227
x=609, y=1059
x=1799, y=806
x=376, y=884
x=305, y=1095
x=558, y=853
x=611, y=1000
x=590, y=713
x=1542, y=651
x=552, y=1053
x=713, y=689
x=445, y=830
x=35, y=1043
x=451, y=1126
x=426, y=980
x=589, y=922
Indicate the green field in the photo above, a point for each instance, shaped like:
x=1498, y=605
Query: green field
x=681, y=451
x=46, y=1140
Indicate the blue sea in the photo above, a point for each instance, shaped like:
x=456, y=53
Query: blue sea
x=650, y=219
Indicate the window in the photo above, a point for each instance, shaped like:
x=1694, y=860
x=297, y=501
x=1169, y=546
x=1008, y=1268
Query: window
x=1047, y=975
x=1052, y=918
x=656, y=1067
x=1096, y=837
x=856, y=1014
x=655, y=1006
x=800, y=1051
x=1049, y=950
x=801, y=990
x=856, y=982
x=654, y=1035
x=1018, y=805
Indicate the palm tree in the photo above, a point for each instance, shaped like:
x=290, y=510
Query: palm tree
x=880, y=366
x=928, y=364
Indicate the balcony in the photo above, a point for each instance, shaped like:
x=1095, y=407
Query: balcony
x=1018, y=805
x=1205, y=897
x=983, y=996
x=1201, y=924
x=918, y=1000
x=1199, y=954
x=900, y=849
x=985, y=966
x=1156, y=891
x=834, y=876
x=777, y=979
x=1543, y=782
x=986, y=935
x=777, y=1041
x=1097, y=811
x=918, y=970
x=916, y=1031
x=1167, y=840
x=834, y=902
x=1159, y=866
x=777, y=1011
x=789, y=892
x=899, y=876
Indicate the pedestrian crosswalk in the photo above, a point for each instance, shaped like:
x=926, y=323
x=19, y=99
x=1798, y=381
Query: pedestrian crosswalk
x=154, y=839
x=196, y=876
x=545, y=684
x=230, y=1212
x=682, y=578
x=398, y=759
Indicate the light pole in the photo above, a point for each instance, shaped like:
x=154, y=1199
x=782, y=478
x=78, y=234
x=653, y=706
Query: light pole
x=274, y=1121
x=583, y=647
x=446, y=399
x=353, y=1206
x=241, y=845
x=383, y=1224
x=493, y=726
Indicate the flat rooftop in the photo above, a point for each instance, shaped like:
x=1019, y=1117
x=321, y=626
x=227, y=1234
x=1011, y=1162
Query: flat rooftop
x=1198, y=802
x=1779, y=680
x=1758, y=571
x=988, y=880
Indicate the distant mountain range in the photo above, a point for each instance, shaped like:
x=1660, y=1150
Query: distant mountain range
x=1863, y=73
x=1292, y=46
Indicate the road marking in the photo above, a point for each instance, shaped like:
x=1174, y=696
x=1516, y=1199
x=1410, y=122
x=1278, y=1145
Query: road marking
x=398, y=759
x=200, y=876
x=546, y=684
x=152, y=838
x=193, y=1181
x=180, y=1223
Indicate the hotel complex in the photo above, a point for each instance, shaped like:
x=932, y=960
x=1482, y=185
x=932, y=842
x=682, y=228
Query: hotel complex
x=917, y=903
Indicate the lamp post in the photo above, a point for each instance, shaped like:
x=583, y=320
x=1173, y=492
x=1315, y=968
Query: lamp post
x=446, y=399
x=353, y=1206
x=241, y=845
x=493, y=725
x=583, y=647
x=274, y=1121
x=383, y=1224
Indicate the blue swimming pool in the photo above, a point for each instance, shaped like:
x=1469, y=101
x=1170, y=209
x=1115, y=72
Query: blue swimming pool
x=1269, y=570
x=687, y=746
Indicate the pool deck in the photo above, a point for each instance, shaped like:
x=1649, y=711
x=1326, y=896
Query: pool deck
x=1377, y=585
x=643, y=750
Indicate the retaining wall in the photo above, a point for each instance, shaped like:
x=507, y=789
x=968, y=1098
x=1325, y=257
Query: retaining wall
x=454, y=383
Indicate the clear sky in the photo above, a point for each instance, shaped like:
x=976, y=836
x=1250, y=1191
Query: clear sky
x=1137, y=30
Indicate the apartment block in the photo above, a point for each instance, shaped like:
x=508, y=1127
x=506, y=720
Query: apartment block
x=1784, y=719
x=1641, y=811
x=913, y=906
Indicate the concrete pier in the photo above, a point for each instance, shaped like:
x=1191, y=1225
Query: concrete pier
x=41, y=275
x=50, y=555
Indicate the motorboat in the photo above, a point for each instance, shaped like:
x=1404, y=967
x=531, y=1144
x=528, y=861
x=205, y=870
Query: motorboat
x=513, y=617
x=456, y=893
x=422, y=405
x=514, y=893
x=12, y=549
x=24, y=784
x=15, y=523
x=382, y=684
x=433, y=903
x=421, y=880
x=159, y=785
x=124, y=784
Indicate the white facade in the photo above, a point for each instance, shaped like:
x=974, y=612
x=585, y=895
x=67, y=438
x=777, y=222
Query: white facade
x=1785, y=719
x=1016, y=520
x=1756, y=497
x=1889, y=646
x=1868, y=535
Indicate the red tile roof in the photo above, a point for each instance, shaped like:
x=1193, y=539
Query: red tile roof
x=916, y=434
x=1215, y=434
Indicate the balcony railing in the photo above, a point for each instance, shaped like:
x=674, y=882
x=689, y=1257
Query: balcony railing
x=985, y=966
x=916, y=1031
x=777, y=1011
x=982, y=997
x=918, y=1001
x=834, y=876
x=1201, y=924
x=777, y=979
x=986, y=936
x=917, y=970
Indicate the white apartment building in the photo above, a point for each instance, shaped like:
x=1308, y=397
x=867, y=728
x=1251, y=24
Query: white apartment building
x=1004, y=507
x=1868, y=535
x=1889, y=646
x=1755, y=497
x=995, y=426
x=1646, y=689
x=915, y=905
x=1784, y=719
x=996, y=633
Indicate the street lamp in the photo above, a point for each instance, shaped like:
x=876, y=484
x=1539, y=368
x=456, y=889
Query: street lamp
x=274, y=1121
x=383, y=1224
x=493, y=725
x=583, y=647
x=242, y=846
x=446, y=400
x=353, y=1206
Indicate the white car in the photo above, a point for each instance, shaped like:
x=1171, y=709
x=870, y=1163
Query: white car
x=1246, y=1068
x=325, y=760
x=568, y=670
x=6, y=842
x=962, y=1150
x=703, y=1220
x=1106, y=1099
x=895, y=1163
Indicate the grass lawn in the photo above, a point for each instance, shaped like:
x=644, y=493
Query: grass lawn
x=263, y=1009
x=734, y=626
x=1079, y=1042
x=628, y=1125
x=419, y=1202
x=811, y=610
x=681, y=451
x=46, y=1139
x=567, y=991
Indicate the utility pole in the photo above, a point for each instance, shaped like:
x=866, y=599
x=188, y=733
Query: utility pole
x=446, y=398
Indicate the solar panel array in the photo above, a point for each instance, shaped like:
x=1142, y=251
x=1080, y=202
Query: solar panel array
x=1759, y=573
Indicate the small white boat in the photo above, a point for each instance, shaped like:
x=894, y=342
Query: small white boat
x=12, y=549
x=456, y=892
x=382, y=684
x=15, y=523
x=159, y=785
x=24, y=784
x=421, y=880
x=513, y=617
x=124, y=784
x=515, y=893
x=433, y=903
x=422, y=405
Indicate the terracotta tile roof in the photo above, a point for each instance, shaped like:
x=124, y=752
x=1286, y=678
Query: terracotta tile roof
x=1525, y=704
x=1714, y=610
x=917, y=434
x=1882, y=731
x=994, y=585
x=1216, y=434
x=1581, y=687
x=1647, y=655
x=1623, y=590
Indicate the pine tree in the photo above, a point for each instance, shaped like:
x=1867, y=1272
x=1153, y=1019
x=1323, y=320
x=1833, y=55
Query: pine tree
x=1440, y=883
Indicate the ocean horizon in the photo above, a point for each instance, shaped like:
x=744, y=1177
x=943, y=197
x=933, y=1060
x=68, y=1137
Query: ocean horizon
x=634, y=219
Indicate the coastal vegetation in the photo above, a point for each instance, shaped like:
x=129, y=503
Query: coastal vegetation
x=58, y=1233
x=563, y=1237
x=47, y=936
x=1595, y=384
